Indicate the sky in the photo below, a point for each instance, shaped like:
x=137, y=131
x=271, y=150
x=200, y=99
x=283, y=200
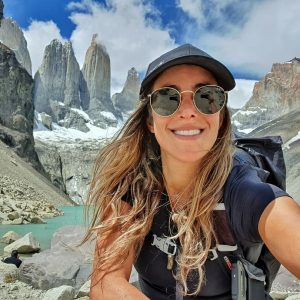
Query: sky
x=248, y=36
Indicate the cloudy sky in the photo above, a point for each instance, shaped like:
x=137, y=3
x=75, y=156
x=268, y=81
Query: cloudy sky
x=246, y=35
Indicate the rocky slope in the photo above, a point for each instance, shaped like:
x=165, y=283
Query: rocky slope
x=127, y=100
x=276, y=94
x=288, y=127
x=23, y=187
x=12, y=36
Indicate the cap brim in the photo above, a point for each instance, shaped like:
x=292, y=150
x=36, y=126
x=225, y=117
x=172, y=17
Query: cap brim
x=221, y=73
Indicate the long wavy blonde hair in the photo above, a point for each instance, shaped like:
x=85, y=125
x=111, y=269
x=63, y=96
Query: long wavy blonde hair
x=131, y=163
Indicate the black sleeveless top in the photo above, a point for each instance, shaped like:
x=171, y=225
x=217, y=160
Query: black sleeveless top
x=246, y=196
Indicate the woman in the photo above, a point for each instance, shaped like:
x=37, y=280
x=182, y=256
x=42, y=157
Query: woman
x=167, y=170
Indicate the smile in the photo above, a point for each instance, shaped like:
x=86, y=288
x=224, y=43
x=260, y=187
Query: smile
x=188, y=132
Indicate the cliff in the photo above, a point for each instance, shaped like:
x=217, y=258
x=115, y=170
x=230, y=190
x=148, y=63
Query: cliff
x=12, y=36
x=95, y=83
x=127, y=100
x=17, y=112
x=57, y=81
x=288, y=127
x=276, y=94
x=1, y=10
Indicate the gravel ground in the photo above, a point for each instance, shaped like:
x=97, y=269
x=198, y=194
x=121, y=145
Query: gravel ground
x=20, y=291
x=284, y=285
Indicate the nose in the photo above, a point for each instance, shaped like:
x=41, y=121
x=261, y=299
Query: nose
x=187, y=108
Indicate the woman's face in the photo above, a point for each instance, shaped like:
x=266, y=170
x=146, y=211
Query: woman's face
x=187, y=135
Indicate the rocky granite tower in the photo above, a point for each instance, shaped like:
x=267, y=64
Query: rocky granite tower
x=95, y=83
x=16, y=113
x=127, y=100
x=278, y=93
x=57, y=81
x=12, y=36
x=1, y=10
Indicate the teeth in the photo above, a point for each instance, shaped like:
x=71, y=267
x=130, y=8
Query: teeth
x=188, y=132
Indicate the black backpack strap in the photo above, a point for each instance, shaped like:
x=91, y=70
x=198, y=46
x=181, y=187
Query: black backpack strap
x=247, y=280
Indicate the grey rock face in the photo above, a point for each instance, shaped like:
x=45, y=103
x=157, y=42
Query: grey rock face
x=1, y=10
x=128, y=99
x=276, y=94
x=57, y=80
x=287, y=126
x=12, y=36
x=16, y=93
x=46, y=120
x=76, y=120
x=95, y=81
x=16, y=113
x=63, y=264
x=69, y=165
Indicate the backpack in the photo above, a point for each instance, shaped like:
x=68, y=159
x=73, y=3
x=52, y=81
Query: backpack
x=264, y=154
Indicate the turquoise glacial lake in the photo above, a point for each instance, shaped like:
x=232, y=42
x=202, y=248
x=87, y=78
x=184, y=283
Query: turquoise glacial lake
x=73, y=215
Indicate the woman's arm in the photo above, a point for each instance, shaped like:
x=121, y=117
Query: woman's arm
x=115, y=284
x=279, y=227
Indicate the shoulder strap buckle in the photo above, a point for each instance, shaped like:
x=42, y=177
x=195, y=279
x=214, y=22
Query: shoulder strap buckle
x=212, y=253
x=165, y=245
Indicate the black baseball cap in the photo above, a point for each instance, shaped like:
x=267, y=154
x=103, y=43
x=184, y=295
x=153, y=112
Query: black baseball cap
x=188, y=54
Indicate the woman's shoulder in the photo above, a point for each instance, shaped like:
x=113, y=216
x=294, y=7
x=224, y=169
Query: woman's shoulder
x=246, y=196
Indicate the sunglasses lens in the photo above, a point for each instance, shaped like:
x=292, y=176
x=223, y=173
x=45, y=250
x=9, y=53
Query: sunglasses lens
x=210, y=99
x=165, y=101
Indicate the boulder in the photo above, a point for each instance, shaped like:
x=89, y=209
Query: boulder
x=63, y=292
x=8, y=273
x=46, y=120
x=12, y=216
x=26, y=244
x=65, y=263
x=17, y=221
x=37, y=220
x=84, y=290
x=77, y=120
x=10, y=237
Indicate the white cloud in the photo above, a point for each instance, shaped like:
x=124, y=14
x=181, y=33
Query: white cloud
x=131, y=37
x=269, y=33
x=38, y=35
x=241, y=93
x=193, y=8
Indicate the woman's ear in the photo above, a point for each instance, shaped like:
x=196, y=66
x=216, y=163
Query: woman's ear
x=150, y=124
x=222, y=117
x=150, y=120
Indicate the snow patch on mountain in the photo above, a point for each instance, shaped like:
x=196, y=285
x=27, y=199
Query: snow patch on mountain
x=292, y=140
x=62, y=134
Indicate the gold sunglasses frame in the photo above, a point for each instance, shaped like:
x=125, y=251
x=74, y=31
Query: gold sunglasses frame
x=149, y=96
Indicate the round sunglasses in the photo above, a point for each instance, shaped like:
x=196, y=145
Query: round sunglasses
x=208, y=100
